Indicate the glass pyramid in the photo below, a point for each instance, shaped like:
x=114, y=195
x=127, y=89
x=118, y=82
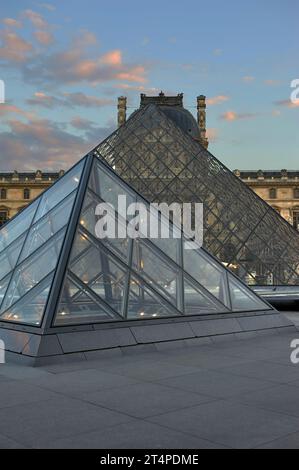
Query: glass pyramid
x=165, y=164
x=55, y=271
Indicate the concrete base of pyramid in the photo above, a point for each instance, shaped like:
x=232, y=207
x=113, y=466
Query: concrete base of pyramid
x=104, y=340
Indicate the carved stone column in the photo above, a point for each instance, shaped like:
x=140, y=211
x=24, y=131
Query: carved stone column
x=201, y=119
x=122, y=109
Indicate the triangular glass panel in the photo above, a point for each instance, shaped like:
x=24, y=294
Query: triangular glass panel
x=143, y=302
x=197, y=301
x=30, y=308
x=243, y=299
x=32, y=270
x=9, y=257
x=79, y=306
x=94, y=266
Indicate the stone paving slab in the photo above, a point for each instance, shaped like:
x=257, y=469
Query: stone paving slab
x=235, y=393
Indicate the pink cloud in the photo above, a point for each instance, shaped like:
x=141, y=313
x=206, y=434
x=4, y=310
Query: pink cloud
x=217, y=100
x=12, y=109
x=233, y=116
x=271, y=82
x=136, y=74
x=113, y=58
x=287, y=103
x=41, y=143
x=248, y=78
x=212, y=134
x=14, y=47
x=11, y=22
x=43, y=37
x=68, y=100
x=36, y=19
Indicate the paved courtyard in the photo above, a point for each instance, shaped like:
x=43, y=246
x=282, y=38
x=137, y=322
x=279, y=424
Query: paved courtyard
x=237, y=392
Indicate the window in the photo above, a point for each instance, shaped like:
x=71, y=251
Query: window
x=296, y=193
x=26, y=193
x=3, y=193
x=296, y=219
x=3, y=217
x=272, y=193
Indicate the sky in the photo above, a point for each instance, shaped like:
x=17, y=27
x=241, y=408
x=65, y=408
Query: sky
x=64, y=63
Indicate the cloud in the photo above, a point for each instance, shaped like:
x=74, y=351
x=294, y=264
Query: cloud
x=271, y=82
x=67, y=100
x=248, y=79
x=41, y=143
x=287, y=103
x=14, y=48
x=212, y=134
x=6, y=108
x=35, y=18
x=233, y=116
x=11, y=22
x=43, y=37
x=112, y=58
x=88, y=101
x=76, y=65
x=47, y=6
x=217, y=100
x=82, y=124
x=217, y=52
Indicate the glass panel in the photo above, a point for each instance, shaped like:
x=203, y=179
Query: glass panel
x=144, y=303
x=242, y=298
x=9, y=257
x=30, y=308
x=67, y=184
x=109, y=188
x=28, y=274
x=158, y=272
x=196, y=302
x=17, y=226
x=88, y=220
x=101, y=273
x=206, y=272
x=3, y=287
x=46, y=227
x=77, y=306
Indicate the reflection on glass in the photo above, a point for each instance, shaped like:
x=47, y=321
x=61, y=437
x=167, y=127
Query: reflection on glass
x=77, y=306
x=197, y=302
x=17, y=226
x=28, y=274
x=60, y=190
x=242, y=298
x=158, y=272
x=46, y=227
x=144, y=303
x=30, y=308
x=9, y=257
x=206, y=272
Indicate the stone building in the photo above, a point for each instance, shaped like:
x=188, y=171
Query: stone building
x=279, y=188
x=18, y=189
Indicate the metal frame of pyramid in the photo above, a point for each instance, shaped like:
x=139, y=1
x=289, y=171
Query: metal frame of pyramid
x=164, y=163
x=68, y=293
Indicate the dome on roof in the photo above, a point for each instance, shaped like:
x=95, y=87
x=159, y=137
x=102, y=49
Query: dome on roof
x=183, y=118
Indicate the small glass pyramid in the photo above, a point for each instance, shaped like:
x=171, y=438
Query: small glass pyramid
x=55, y=271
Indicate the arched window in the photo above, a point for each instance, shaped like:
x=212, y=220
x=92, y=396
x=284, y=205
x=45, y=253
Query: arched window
x=272, y=193
x=296, y=193
x=26, y=193
x=3, y=193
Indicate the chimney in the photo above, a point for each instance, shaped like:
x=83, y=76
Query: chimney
x=201, y=119
x=122, y=108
